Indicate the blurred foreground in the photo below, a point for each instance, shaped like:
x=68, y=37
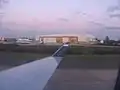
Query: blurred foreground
x=75, y=72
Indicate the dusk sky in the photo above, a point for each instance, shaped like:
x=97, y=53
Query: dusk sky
x=34, y=17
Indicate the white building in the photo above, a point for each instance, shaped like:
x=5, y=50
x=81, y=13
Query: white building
x=63, y=38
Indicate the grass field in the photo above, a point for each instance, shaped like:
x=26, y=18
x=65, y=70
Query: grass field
x=11, y=59
x=49, y=49
x=90, y=62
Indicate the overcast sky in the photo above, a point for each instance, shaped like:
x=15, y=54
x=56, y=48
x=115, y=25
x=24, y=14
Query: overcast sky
x=32, y=17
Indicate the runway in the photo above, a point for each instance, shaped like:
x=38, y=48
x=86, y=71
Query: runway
x=79, y=79
x=85, y=74
x=78, y=72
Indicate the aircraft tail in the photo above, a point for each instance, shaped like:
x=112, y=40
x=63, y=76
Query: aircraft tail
x=61, y=51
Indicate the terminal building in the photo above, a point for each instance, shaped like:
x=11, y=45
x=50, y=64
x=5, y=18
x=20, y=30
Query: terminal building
x=64, y=38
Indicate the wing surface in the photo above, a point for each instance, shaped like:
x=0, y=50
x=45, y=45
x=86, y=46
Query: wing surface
x=32, y=76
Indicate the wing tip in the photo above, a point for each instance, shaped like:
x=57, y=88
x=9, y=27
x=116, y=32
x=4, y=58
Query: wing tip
x=61, y=51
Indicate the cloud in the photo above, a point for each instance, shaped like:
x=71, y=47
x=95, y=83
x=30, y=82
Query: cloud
x=114, y=11
x=97, y=23
x=63, y=19
x=114, y=16
x=3, y=2
x=81, y=13
x=113, y=28
x=77, y=13
x=113, y=8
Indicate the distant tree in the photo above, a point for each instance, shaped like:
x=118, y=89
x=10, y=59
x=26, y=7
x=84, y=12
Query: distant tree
x=107, y=40
x=119, y=39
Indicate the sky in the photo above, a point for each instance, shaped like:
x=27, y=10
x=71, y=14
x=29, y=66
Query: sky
x=35, y=17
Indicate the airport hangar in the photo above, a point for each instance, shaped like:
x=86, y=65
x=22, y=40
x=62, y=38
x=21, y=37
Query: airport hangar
x=63, y=38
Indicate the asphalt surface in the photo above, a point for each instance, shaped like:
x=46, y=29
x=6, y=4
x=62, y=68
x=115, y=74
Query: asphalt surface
x=74, y=79
x=79, y=72
x=84, y=74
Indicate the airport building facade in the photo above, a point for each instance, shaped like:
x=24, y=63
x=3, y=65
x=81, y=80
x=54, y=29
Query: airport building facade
x=64, y=38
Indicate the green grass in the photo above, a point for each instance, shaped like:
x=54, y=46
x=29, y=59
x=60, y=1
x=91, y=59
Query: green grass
x=90, y=61
x=13, y=58
x=70, y=61
x=78, y=56
x=49, y=49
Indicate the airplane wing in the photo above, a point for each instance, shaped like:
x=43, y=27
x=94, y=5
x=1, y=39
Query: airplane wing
x=34, y=75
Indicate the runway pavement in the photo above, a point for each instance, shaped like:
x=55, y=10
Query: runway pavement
x=83, y=74
x=89, y=72
x=79, y=79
